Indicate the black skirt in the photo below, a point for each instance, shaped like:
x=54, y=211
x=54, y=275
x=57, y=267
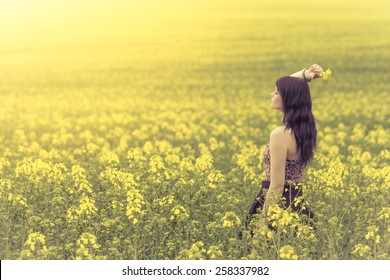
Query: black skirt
x=290, y=193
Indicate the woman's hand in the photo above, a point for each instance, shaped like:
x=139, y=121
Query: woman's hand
x=309, y=74
x=313, y=72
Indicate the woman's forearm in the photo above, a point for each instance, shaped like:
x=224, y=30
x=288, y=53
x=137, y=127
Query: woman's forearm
x=299, y=74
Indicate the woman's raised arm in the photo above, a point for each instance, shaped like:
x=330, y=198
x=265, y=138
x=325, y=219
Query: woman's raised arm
x=309, y=74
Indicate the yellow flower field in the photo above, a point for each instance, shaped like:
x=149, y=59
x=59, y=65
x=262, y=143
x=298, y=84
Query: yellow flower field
x=140, y=135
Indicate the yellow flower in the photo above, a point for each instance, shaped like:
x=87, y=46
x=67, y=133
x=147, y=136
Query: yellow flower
x=197, y=252
x=86, y=247
x=156, y=163
x=326, y=75
x=371, y=232
x=270, y=234
x=18, y=200
x=135, y=201
x=361, y=250
x=186, y=164
x=35, y=247
x=204, y=162
x=179, y=213
x=214, y=178
x=167, y=200
x=287, y=252
x=214, y=252
x=384, y=214
x=230, y=220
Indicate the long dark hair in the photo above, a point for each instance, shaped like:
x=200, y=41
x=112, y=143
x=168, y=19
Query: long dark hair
x=295, y=94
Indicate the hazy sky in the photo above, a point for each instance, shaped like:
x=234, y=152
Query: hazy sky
x=34, y=22
x=71, y=22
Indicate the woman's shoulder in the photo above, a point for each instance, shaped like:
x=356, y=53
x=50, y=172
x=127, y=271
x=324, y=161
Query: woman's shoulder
x=281, y=131
x=279, y=137
x=282, y=137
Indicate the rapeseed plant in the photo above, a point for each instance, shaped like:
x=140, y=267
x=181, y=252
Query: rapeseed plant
x=196, y=252
x=87, y=247
x=135, y=202
x=34, y=247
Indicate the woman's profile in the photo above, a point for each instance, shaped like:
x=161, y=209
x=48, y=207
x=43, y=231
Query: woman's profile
x=291, y=145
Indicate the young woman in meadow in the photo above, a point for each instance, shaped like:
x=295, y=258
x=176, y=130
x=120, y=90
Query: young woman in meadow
x=291, y=146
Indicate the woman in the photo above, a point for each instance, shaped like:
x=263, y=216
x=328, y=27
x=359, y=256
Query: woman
x=291, y=146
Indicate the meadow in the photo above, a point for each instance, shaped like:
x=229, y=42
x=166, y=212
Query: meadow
x=148, y=144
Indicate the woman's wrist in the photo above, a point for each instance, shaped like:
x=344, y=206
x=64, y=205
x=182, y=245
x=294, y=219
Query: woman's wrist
x=304, y=76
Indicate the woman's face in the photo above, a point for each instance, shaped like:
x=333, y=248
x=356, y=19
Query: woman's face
x=276, y=100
